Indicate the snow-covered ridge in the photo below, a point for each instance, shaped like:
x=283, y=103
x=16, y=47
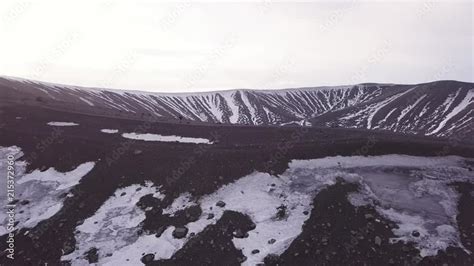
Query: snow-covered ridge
x=240, y=106
x=438, y=108
x=442, y=109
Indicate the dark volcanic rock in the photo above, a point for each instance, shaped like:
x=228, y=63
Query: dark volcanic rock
x=252, y=226
x=272, y=259
x=213, y=246
x=92, y=256
x=148, y=258
x=239, y=233
x=193, y=213
x=180, y=232
x=68, y=248
x=148, y=201
x=241, y=259
x=281, y=212
x=343, y=242
x=377, y=241
x=15, y=201
x=160, y=231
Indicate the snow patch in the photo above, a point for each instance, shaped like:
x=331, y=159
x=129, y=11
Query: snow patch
x=378, y=106
x=39, y=192
x=412, y=191
x=109, y=131
x=171, y=138
x=59, y=180
x=456, y=110
x=43, y=190
x=258, y=195
x=62, y=124
x=130, y=254
x=113, y=229
x=86, y=101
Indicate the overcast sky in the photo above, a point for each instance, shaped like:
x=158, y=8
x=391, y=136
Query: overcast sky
x=191, y=46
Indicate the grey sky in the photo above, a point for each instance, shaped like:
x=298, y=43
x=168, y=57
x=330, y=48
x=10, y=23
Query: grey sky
x=190, y=46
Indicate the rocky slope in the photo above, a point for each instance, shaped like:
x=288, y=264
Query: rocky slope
x=440, y=108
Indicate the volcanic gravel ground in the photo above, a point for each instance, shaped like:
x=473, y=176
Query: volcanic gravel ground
x=238, y=151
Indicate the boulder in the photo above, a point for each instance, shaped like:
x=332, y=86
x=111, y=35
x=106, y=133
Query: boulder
x=180, y=232
x=148, y=258
x=378, y=241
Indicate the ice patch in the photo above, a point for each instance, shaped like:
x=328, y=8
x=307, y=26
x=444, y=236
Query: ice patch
x=39, y=193
x=60, y=180
x=172, y=138
x=412, y=191
x=43, y=190
x=163, y=247
x=109, y=131
x=258, y=195
x=429, y=241
x=253, y=195
x=113, y=229
x=62, y=124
